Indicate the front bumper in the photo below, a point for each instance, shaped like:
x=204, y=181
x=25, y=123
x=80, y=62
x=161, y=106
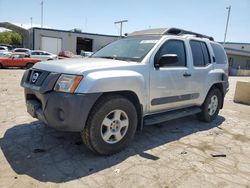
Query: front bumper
x=63, y=111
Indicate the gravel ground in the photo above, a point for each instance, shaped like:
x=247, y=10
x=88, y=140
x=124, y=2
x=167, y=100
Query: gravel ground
x=177, y=153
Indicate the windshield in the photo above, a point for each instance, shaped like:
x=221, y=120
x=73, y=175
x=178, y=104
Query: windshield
x=128, y=49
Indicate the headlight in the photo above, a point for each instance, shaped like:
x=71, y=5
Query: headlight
x=67, y=83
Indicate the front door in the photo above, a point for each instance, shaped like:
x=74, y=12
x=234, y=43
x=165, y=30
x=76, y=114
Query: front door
x=17, y=60
x=170, y=85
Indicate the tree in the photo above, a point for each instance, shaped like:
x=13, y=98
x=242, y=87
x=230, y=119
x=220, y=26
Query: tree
x=10, y=37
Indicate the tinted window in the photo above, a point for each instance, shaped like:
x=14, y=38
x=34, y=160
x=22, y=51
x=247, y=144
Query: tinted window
x=34, y=53
x=197, y=54
x=20, y=50
x=200, y=53
x=173, y=47
x=219, y=53
x=206, y=54
x=17, y=56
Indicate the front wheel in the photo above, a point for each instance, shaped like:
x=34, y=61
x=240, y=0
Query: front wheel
x=111, y=125
x=211, y=106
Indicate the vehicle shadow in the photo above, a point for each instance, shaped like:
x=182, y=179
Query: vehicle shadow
x=52, y=156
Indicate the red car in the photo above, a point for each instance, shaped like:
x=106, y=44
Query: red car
x=18, y=60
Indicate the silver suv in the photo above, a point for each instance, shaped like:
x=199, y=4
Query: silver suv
x=146, y=78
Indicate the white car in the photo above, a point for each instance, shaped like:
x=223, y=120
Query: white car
x=23, y=50
x=5, y=54
x=42, y=55
x=3, y=49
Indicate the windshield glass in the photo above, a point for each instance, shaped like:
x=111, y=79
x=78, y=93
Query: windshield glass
x=128, y=49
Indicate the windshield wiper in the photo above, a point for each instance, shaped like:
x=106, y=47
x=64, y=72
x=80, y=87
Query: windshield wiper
x=117, y=58
x=106, y=57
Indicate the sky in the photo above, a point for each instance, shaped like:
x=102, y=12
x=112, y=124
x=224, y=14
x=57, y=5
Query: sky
x=98, y=16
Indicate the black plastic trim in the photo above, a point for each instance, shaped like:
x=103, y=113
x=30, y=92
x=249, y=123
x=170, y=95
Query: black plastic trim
x=171, y=99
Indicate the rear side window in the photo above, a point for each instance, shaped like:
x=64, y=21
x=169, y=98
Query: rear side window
x=200, y=53
x=219, y=53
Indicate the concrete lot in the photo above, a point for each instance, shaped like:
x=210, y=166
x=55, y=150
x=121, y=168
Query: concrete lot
x=175, y=154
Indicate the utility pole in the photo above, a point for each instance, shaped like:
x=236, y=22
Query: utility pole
x=41, y=13
x=228, y=16
x=121, y=22
x=31, y=22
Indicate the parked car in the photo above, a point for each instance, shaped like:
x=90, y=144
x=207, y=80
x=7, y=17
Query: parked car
x=5, y=54
x=147, y=78
x=18, y=60
x=23, y=50
x=3, y=49
x=65, y=54
x=42, y=55
x=85, y=53
x=10, y=47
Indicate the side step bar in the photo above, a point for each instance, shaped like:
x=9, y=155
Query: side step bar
x=166, y=116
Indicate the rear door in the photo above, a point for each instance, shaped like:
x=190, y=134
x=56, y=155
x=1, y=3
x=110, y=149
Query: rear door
x=45, y=56
x=201, y=69
x=35, y=55
x=170, y=86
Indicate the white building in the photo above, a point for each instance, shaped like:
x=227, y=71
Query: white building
x=238, y=58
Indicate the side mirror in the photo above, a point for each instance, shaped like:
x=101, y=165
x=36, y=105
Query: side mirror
x=166, y=60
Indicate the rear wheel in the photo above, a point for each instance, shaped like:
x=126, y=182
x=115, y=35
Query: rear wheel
x=211, y=106
x=111, y=125
x=29, y=65
x=1, y=66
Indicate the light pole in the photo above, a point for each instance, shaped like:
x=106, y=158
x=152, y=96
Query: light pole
x=31, y=22
x=42, y=14
x=228, y=16
x=121, y=22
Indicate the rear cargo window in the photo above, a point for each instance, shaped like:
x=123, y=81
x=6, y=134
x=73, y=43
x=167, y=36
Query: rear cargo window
x=219, y=53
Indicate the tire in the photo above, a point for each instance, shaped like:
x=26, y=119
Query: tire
x=1, y=66
x=111, y=125
x=211, y=106
x=29, y=65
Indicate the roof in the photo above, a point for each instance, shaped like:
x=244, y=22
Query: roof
x=168, y=31
x=239, y=43
x=156, y=31
x=237, y=52
x=58, y=30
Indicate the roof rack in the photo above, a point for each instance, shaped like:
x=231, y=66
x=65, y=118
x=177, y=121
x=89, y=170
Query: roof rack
x=169, y=31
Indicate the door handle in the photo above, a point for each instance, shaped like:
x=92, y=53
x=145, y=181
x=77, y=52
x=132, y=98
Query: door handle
x=187, y=74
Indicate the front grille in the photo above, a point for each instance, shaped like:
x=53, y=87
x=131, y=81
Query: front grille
x=36, y=77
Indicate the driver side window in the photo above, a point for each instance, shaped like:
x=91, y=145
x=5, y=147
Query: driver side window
x=173, y=47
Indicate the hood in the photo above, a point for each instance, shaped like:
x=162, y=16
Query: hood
x=79, y=65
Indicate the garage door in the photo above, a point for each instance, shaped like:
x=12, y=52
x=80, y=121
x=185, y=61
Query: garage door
x=51, y=44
